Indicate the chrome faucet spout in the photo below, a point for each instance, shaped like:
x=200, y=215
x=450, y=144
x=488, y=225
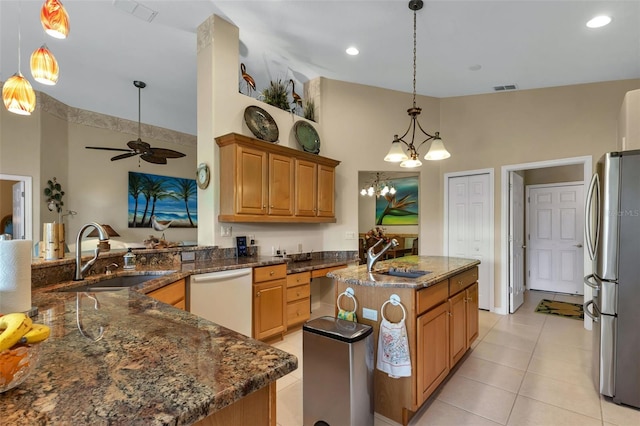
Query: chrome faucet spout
x=102, y=235
x=372, y=257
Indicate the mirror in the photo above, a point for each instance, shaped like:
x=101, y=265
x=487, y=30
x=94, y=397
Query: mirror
x=396, y=211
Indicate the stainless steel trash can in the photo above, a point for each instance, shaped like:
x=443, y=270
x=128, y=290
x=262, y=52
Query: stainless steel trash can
x=337, y=371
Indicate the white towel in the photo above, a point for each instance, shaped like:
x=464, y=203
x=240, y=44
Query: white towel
x=393, y=349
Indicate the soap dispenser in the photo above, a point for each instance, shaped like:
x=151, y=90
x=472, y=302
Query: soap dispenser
x=129, y=260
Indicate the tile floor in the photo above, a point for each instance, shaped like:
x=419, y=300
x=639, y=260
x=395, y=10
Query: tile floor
x=524, y=369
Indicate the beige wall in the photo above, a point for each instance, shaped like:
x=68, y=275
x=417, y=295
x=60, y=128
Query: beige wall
x=573, y=173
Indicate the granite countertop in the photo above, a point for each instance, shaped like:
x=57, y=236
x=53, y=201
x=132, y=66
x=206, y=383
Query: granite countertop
x=154, y=365
x=438, y=267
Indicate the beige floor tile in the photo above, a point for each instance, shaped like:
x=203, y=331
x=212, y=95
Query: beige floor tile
x=289, y=405
x=478, y=398
x=619, y=414
x=566, y=332
x=442, y=414
x=569, y=354
x=511, y=339
x=529, y=332
x=529, y=412
x=561, y=370
x=579, y=399
x=286, y=381
x=569, y=298
x=526, y=317
x=513, y=358
x=490, y=373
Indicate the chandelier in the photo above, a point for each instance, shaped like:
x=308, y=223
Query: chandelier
x=380, y=186
x=396, y=153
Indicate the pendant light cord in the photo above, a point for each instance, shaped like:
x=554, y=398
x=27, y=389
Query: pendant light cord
x=19, y=22
x=414, y=58
x=139, y=89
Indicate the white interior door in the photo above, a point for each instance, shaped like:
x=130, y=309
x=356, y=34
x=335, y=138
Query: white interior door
x=516, y=241
x=555, y=238
x=469, y=222
x=18, y=211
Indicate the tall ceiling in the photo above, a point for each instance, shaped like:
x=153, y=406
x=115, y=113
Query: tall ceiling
x=463, y=47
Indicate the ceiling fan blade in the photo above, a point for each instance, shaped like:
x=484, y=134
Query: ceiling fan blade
x=167, y=153
x=121, y=156
x=108, y=149
x=150, y=158
x=139, y=146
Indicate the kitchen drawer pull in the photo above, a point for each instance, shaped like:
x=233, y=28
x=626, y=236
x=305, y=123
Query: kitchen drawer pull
x=272, y=272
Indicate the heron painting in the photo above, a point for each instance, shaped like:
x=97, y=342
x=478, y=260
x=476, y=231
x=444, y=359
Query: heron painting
x=161, y=201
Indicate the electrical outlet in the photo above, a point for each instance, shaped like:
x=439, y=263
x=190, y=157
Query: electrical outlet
x=370, y=314
x=225, y=231
x=251, y=240
x=349, y=235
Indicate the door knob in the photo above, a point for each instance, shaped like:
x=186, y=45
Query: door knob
x=524, y=246
x=578, y=245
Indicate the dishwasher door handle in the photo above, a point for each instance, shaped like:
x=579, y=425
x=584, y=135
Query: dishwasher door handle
x=219, y=276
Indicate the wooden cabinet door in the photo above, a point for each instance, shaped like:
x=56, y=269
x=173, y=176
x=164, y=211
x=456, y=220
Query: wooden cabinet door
x=472, y=314
x=457, y=327
x=326, y=191
x=432, y=362
x=281, y=189
x=306, y=188
x=171, y=294
x=269, y=300
x=251, y=181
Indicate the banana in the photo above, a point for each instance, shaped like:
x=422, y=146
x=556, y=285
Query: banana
x=13, y=327
x=37, y=334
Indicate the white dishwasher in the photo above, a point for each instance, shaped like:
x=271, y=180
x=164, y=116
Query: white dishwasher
x=224, y=298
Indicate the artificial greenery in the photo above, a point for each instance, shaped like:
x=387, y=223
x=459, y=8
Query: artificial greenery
x=276, y=95
x=310, y=110
x=54, y=193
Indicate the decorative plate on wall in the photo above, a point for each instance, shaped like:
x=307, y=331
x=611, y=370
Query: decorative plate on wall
x=261, y=124
x=307, y=137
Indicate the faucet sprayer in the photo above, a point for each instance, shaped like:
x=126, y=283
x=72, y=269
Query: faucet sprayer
x=102, y=235
x=372, y=257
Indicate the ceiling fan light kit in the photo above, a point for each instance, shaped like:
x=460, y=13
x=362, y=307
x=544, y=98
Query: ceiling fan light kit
x=139, y=147
x=396, y=153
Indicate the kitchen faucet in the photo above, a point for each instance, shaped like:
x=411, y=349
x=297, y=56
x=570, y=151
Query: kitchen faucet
x=81, y=270
x=372, y=257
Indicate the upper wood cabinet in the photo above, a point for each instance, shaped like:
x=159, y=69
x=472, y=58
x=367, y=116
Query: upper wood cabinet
x=265, y=182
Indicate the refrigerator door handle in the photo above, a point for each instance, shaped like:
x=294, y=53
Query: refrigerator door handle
x=589, y=314
x=587, y=281
x=591, y=240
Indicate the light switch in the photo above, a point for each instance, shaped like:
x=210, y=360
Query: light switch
x=370, y=314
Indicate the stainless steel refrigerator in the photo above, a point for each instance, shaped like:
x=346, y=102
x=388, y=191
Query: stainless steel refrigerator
x=613, y=240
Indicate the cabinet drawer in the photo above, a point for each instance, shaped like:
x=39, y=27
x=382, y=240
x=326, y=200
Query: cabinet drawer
x=298, y=311
x=298, y=279
x=463, y=280
x=432, y=296
x=299, y=292
x=268, y=273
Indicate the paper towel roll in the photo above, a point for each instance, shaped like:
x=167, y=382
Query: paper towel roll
x=15, y=276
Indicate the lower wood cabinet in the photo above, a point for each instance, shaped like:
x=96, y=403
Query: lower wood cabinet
x=432, y=364
x=463, y=308
x=269, y=301
x=172, y=294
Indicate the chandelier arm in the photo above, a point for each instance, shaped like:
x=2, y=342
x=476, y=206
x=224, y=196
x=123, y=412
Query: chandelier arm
x=401, y=138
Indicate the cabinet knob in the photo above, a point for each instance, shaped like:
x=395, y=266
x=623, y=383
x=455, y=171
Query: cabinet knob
x=272, y=272
x=449, y=313
x=297, y=293
x=258, y=294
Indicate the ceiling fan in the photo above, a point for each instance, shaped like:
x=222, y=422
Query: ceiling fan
x=139, y=147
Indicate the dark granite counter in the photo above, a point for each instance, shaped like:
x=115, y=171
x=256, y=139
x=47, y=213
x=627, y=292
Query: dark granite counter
x=438, y=268
x=154, y=365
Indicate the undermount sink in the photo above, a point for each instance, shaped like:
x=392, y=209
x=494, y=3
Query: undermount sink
x=415, y=273
x=113, y=284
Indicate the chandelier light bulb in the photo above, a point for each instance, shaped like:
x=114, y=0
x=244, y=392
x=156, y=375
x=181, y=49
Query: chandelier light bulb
x=371, y=192
x=363, y=192
x=44, y=66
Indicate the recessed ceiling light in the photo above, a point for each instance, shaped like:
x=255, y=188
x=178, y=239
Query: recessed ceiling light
x=599, y=21
x=352, y=51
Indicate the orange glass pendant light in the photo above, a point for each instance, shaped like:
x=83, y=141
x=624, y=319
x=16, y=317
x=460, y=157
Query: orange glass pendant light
x=18, y=95
x=55, y=19
x=44, y=67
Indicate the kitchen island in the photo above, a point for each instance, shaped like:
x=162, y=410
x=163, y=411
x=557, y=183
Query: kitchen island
x=154, y=365
x=440, y=297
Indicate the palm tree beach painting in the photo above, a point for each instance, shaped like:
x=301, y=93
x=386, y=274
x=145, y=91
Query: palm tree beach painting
x=169, y=199
x=400, y=208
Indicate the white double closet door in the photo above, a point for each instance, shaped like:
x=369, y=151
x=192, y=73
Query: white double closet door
x=469, y=226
